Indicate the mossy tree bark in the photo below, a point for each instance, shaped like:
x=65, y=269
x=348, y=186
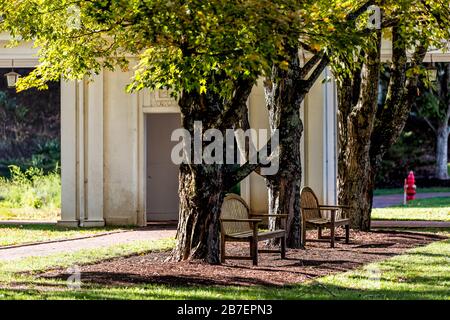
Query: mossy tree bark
x=202, y=186
x=284, y=93
x=356, y=118
x=366, y=130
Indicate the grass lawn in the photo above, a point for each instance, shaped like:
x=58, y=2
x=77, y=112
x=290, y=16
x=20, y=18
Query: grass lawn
x=29, y=214
x=435, y=209
x=421, y=273
x=20, y=234
x=384, y=192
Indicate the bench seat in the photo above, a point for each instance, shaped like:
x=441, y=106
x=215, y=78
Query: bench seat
x=238, y=225
x=265, y=235
x=312, y=216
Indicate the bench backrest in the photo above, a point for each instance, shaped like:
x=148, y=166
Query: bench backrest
x=234, y=207
x=308, y=204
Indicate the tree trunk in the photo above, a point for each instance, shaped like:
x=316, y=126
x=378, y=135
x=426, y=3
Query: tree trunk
x=366, y=131
x=201, y=196
x=442, y=151
x=284, y=94
x=357, y=110
x=202, y=186
x=354, y=175
x=283, y=99
x=284, y=194
x=442, y=131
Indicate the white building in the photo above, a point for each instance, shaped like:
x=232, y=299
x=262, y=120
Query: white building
x=115, y=147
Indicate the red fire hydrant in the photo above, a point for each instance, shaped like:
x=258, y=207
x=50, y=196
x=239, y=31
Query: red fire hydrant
x=410, y=187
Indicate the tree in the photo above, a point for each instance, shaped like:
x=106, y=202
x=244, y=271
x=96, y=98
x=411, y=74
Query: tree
x=434, y=107
x=286, y=90
x=209, y=53
x=366, y=130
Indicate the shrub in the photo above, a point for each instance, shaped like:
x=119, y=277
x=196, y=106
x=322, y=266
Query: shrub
x=46, y=156
x=31, y=188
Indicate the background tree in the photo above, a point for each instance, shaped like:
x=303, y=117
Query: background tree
x=434, y=107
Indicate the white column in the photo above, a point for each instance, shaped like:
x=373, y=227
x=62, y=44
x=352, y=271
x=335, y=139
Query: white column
x=81, y=186
x=330, y=141
x=314, y=140
x=142, y=160
x=93, y=152
x=82, y=153
x=69, y=194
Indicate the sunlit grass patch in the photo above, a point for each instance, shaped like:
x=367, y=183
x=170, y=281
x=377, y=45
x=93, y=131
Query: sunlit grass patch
x=31, y=214
x=433, y=209
x=391, y=191
x=30, y=194
x=422, y=273
x=21, y=234
x=428, y=214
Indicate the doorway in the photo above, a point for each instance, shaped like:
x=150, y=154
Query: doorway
x=162, y=174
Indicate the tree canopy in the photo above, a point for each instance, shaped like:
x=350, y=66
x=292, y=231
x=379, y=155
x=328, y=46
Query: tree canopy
x=179, y=44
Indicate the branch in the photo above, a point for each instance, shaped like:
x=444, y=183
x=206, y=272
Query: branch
x=237, y=105
x=247, y=168
x=320, y=55
x=358, y=12
x=430, y=124
x=309, y=65
x=240, y=174
x=307, y=47
x=438, y=18
x=317, y=72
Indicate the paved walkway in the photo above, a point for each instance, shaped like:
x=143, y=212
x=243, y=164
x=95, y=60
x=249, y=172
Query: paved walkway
x=396, y=199
x=90, y=243
x=409, y=224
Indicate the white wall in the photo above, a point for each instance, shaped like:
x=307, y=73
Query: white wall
x=103, y=137
x=100, y=152
x=259, y=119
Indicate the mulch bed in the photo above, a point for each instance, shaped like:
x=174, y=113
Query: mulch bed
x=301, y=265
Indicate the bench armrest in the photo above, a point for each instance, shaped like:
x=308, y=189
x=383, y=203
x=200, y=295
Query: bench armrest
x=241, y=220
x=270, y=215
x=322, y=208
x=281, y=216
x=338, y=206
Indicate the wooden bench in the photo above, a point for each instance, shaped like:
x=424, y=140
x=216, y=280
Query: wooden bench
x=312, y=217
x=237, y=224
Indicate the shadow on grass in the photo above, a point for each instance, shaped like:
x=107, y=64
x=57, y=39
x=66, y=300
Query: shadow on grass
x=119, y=278
x=416, y=234
x=312, y=290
